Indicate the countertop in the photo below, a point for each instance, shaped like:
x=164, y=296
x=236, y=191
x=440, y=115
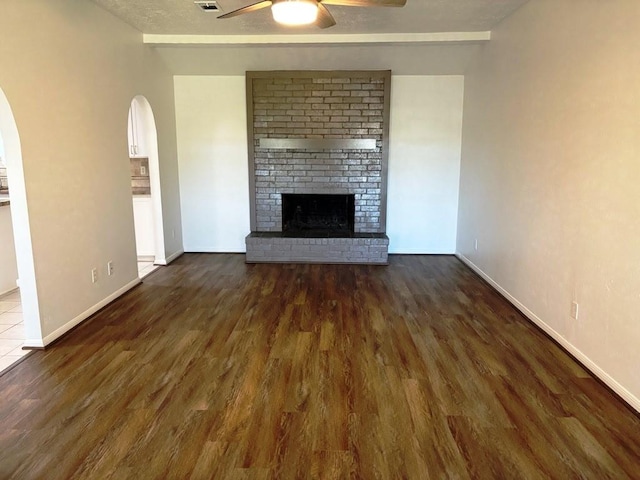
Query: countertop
x=5, y=201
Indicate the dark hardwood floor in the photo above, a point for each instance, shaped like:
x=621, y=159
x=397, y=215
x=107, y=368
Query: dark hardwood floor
x=216, y=369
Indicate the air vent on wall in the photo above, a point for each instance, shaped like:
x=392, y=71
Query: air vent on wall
x=208, y=5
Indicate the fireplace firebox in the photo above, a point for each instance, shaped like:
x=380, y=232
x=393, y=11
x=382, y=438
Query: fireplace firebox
x=318, y=215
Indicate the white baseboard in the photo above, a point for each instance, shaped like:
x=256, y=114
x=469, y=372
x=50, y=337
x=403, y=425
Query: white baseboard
x=208, y=249
x=169, y=259
x=8, y=292
x=577, y=354
x=33, y=343
x=37, y=343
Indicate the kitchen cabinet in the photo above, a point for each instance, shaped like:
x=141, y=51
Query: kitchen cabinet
x=136, y=132
x=8, y=263
x=144, y=226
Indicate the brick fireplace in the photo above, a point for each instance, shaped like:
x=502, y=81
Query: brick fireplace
x=318, y=135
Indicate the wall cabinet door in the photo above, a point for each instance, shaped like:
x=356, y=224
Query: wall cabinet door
x=137, y=145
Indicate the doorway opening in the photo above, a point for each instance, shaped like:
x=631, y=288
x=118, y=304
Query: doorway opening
x=11, y=319
x=145, y=186
x=16, y=253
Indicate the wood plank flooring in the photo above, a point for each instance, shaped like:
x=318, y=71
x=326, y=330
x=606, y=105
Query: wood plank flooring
x=216, y=369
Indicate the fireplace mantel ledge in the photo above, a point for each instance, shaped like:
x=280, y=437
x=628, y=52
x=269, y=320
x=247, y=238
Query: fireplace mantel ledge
x=318, y=143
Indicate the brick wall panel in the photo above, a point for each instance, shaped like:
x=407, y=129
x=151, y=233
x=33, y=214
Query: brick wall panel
x=341, y=107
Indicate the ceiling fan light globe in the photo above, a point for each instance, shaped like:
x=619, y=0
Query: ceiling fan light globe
x=295, y=12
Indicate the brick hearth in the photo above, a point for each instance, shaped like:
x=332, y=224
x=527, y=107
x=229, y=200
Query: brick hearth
x=318, y=133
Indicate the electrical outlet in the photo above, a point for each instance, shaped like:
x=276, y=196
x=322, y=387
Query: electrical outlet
x=475, y=244
x=109, y=268
x=574, y=310
x=143, y=170
x=94, y=275
x=173, y=233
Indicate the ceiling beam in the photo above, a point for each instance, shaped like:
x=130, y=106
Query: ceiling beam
x=440, y=38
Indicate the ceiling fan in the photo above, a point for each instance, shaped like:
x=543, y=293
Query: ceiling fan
x=305, y=12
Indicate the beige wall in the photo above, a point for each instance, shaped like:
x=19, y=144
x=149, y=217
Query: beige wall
x=550, y=174
x=214, y=174
x=69, y=71
x=424, y=163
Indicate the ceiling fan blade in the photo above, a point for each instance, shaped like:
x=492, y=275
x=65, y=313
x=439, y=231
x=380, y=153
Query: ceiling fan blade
x=365, y=3
x=248, y=9
x=325, y=19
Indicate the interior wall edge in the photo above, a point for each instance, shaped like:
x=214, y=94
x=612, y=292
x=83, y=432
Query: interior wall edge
x=169, y=258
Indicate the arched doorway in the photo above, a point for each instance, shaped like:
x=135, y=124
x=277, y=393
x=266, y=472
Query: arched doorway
x=20, y=225
x=145, y=183
x=8, y=263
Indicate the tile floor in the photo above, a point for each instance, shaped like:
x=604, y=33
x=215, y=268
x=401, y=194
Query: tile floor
x=12, y=326
x=11, y=330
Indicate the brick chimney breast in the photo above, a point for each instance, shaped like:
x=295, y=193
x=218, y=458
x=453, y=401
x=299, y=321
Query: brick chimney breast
x=318, y=132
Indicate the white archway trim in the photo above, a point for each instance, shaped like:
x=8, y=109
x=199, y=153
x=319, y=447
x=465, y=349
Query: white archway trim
x=21, y=228
x=151, y=140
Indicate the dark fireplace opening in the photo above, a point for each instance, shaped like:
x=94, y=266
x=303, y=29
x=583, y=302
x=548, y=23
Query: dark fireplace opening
x=313, y=216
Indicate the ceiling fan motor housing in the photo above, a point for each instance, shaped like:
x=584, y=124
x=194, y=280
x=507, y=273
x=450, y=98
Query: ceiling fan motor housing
x=295, y=12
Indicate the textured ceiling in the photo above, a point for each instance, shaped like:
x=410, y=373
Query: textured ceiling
x=418, y=16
